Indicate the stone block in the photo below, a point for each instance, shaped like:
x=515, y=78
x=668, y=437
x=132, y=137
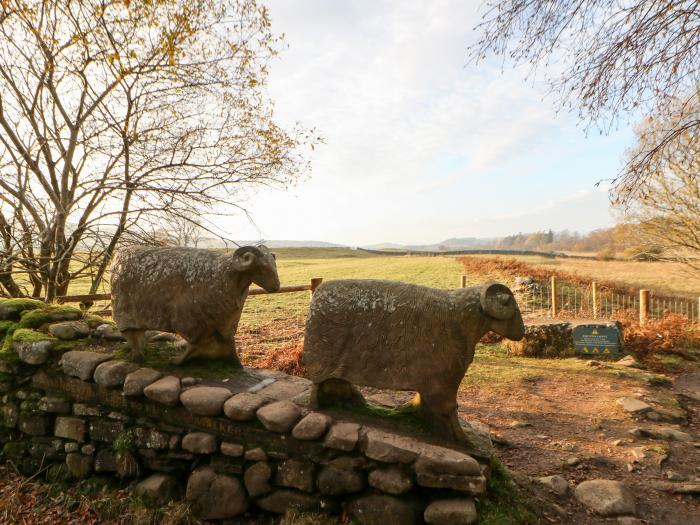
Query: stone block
x=33, y=353
x=257, y=479
x=34, y=425
x=342, y=436
x=606, y=497
x=69, y=330
x=165, y=390
x=280, y=501
x=312, y=426
x=390, y=448
x=379, y=509
x=296, y=474
x=54, y=405
x=280, y=416
x=72, y=428
x=199, y=443
x=113, y=373
x=440, y=460
x=83, y=409
x=469, y=484
x=242, y=407
x=205, y=400
x=391, y=480
x=80, y=466
x=231, y=449
x=334, y=481
x=453, y=511
x=157, y=489
x=82, y=364
x=136, y=381
x=105, y=431
x=215, y=496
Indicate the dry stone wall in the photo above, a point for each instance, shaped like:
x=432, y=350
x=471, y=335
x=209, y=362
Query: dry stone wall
x=244, y=444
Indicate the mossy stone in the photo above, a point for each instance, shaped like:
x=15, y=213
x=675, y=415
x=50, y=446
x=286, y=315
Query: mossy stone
x=12, y=309
x=14, y=450
x=49, y=314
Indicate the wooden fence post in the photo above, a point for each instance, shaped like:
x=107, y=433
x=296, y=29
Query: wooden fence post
x=315, y=282
x=643, y=306
x=463, y=281
x=594, y=294
x=555, y=306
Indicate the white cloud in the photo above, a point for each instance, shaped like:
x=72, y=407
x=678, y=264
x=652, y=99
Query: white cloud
x=418, y=144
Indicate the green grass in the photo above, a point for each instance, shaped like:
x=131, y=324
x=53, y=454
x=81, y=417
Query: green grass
x=504, y=503
x=298, y=266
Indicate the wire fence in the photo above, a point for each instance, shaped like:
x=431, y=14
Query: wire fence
x=565, y=300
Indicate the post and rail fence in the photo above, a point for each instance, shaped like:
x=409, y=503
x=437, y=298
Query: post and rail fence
x=554, y=299
x=89, y=299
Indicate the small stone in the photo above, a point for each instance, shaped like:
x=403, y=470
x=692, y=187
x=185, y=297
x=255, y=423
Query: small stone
x=573, y=461
x=109, y=332
x=9, y=415
x=556, y=484
x=231, y=449
x=174, y=442
x=593, y=362
x=629, y=520
x=630, y=467
x=106, y=461
x=166, y=390
x=379, y=509
x=83, y=409
x=390, y=448
x=113, y=373
x=454, y=511
x=672, y=475
x=618, y=443
x=215, y=496
x=342, y=436
x=54, y=405
x=606, y=497
x=638, y=454
x=205, y=400
x=82, y=364
x=135, y=382
x=255, y=454
x=257, y=479
x=439, y=460
x=88, y=450
x=199, y=443
x=242, y=407
x=69, y=330
x=312, y=426
x=468, y=484
x=520, y=424
x=157, y=489
x=629, y=361
x=72, y=428
x=80, y=466
x=633, y=405
x=391, y=480
x=35, y=353
x=296, y=474
x=334, y=481
x=70, y=447
x=672, y=434
x=280, y=416
x=280, y=501
x=189, y=381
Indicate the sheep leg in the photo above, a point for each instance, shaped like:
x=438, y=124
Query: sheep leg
x=137, y=341
x=335, y=392
x=440, y=412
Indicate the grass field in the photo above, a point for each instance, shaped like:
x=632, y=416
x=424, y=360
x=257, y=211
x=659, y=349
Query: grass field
x=663, y=277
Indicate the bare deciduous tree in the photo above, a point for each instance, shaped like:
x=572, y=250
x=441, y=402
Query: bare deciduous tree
x=666, y=204
x=610, y=58
x=115, y=115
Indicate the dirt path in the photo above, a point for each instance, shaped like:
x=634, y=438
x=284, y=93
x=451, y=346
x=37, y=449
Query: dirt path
x=566, y=410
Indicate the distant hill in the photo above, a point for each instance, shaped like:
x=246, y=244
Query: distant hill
x=218, y=243
x=465, y=243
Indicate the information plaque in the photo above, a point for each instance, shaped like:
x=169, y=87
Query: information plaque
x=599, y=340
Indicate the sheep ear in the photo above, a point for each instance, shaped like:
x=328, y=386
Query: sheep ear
x=245, y=257
x=497, y=301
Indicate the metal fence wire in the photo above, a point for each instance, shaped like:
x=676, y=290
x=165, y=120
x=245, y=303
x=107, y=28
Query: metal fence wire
x=585, y=301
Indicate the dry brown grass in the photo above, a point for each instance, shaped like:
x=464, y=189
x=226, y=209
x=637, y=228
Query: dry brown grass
x=662, y=277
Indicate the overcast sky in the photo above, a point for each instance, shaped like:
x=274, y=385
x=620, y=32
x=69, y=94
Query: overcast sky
x=419, y=145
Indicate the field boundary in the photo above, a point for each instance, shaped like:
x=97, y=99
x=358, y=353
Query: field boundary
x=430, y=253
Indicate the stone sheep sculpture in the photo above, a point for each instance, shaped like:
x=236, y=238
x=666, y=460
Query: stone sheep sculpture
x=399, y=336
x=198, y=294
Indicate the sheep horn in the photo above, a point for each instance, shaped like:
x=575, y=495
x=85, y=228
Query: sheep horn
x=245, y=257
x=497, y=301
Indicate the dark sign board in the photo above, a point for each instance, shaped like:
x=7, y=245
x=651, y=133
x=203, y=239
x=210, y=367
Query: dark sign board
x=597, y=340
